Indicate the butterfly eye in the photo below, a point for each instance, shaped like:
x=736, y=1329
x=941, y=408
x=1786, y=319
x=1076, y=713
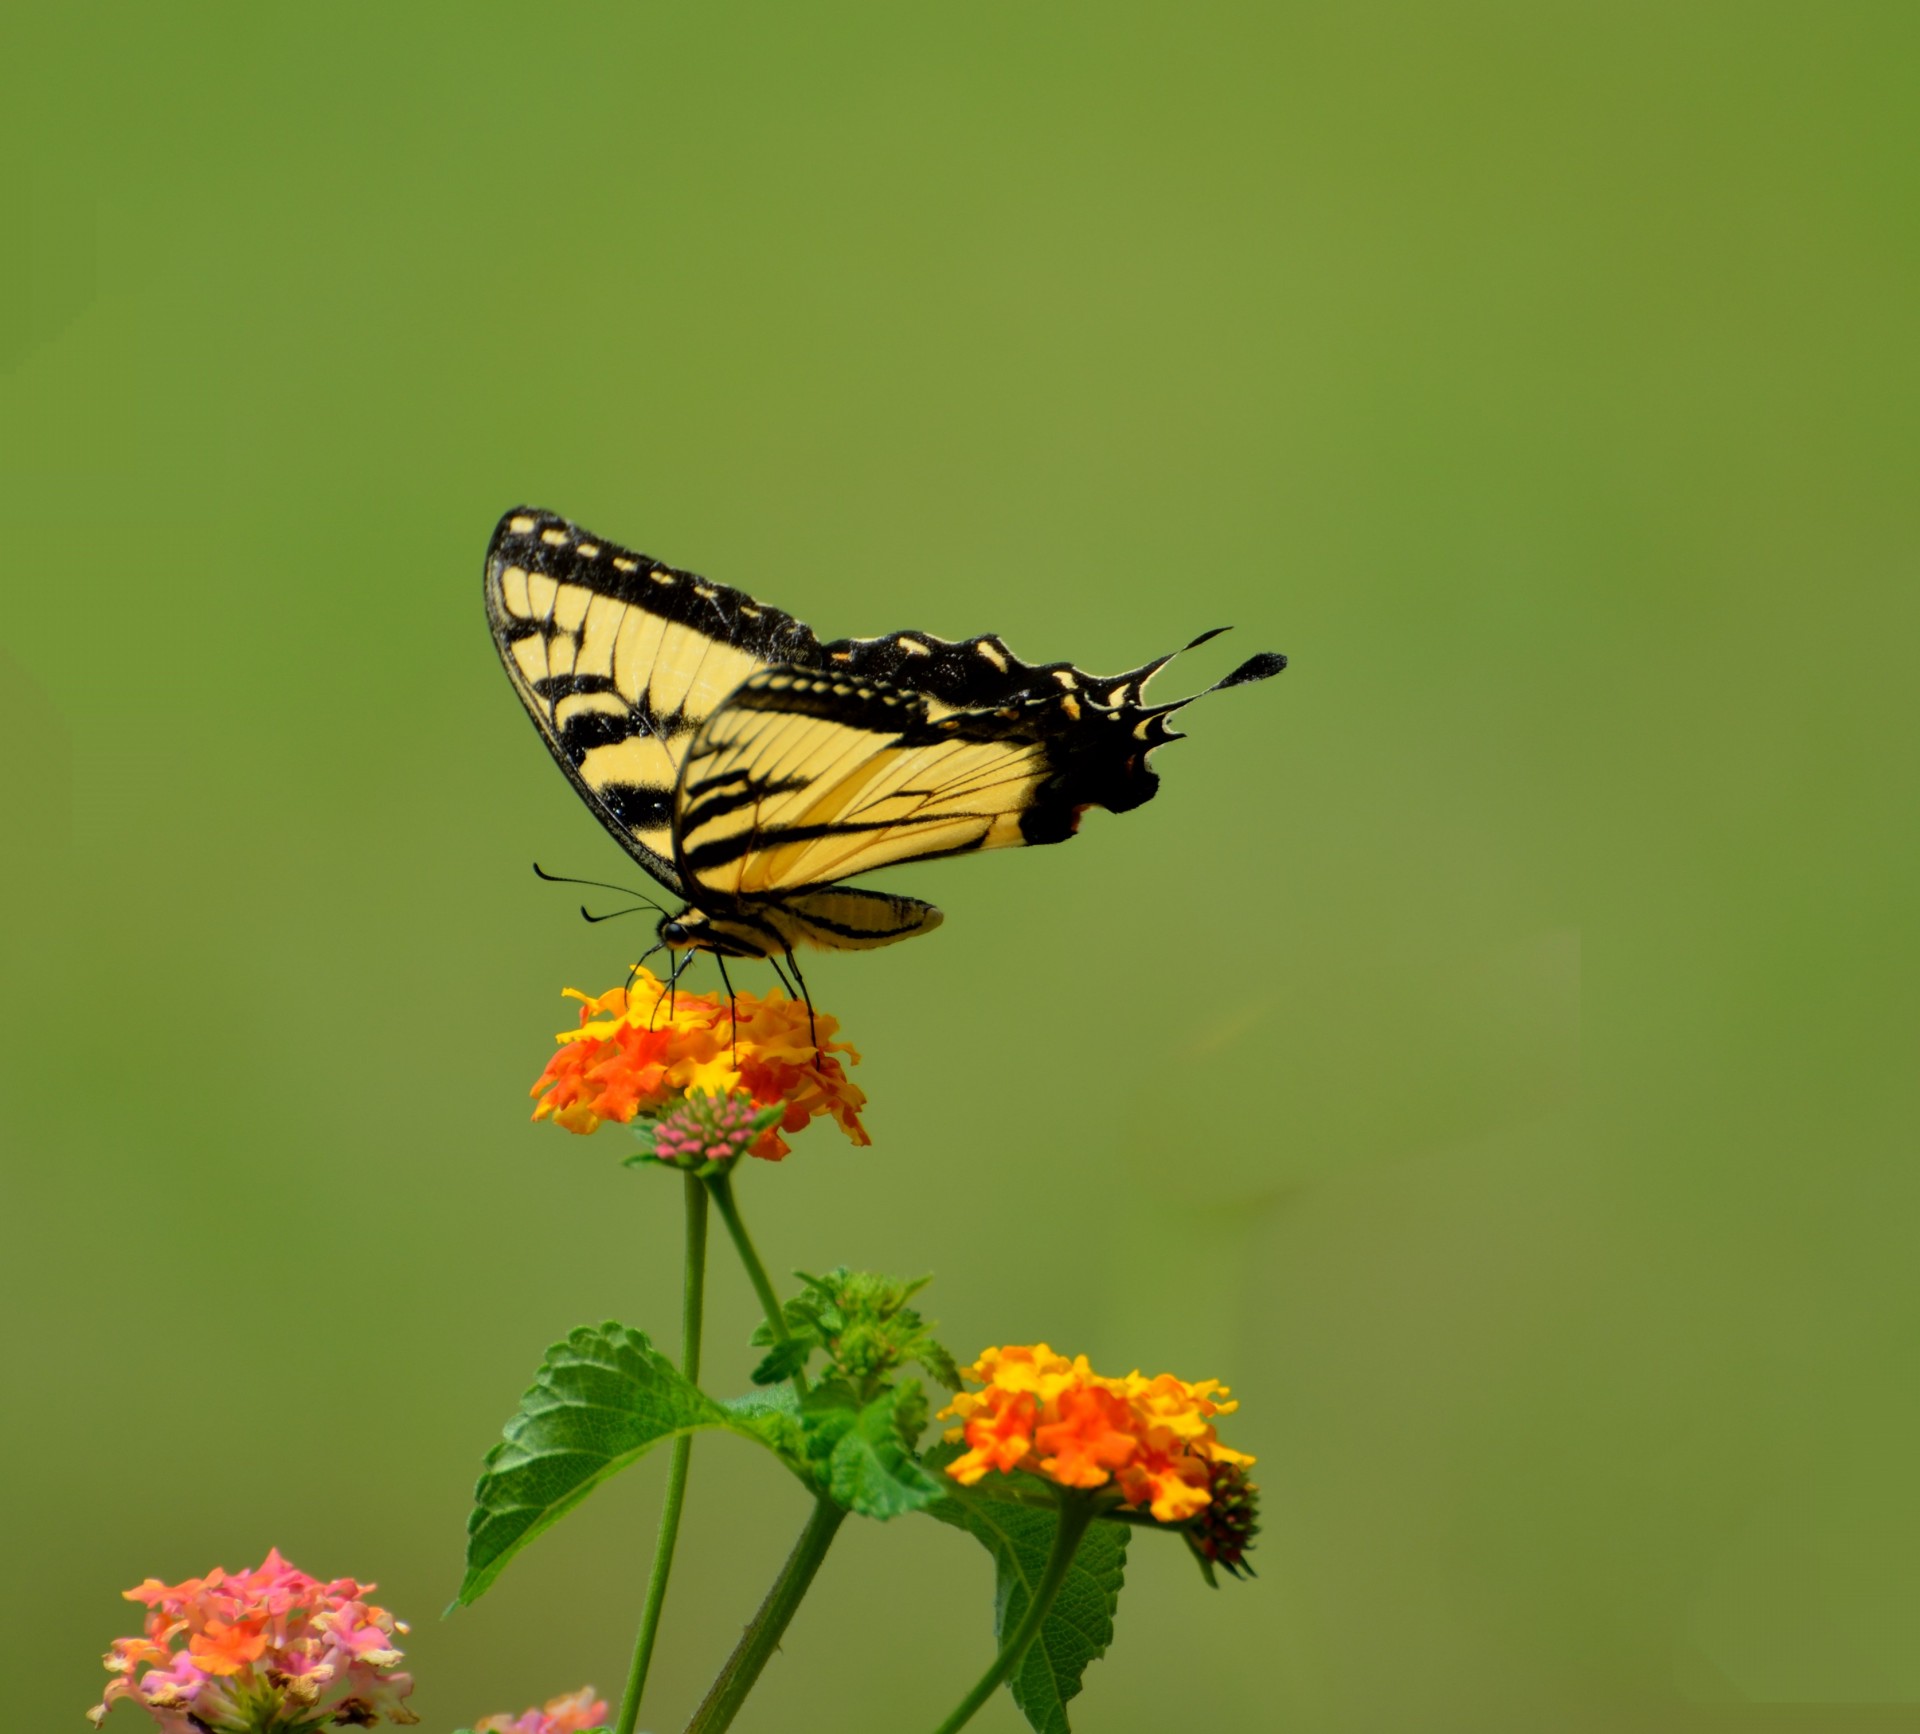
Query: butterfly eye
x=675, y=932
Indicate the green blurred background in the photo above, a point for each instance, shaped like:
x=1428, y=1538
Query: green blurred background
x=1540, y=378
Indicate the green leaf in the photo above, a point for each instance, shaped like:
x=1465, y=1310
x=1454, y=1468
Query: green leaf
x=871, y=1469
x=782, y=1362
x=934, y=1357
x=862, y=1323
x=773, y=1416
x=1079, y=1626
x=827, y=1414
x=601, y=1399
x=754, y=1406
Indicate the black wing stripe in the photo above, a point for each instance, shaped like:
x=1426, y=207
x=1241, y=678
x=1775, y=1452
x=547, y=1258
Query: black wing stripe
x=846, y=931
x=554, y=687
x=638, y=806
x=792, y=692
x=721, y=850
x=728, y=794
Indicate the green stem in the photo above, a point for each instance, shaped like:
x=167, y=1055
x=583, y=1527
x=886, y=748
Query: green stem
x=721, y=1186
x=692, y=1302
x=762, y=1637
x=1075, y=1515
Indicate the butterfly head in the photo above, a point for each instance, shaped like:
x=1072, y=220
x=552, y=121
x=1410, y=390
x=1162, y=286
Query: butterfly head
x=695, y=930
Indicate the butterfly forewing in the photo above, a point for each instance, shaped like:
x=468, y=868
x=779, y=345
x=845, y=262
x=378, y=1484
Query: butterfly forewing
x=619, y=659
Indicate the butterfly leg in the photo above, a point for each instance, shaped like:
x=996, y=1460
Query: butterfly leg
x=633, y=974
x=793, y=963
x=773, y=963
x=676, y=968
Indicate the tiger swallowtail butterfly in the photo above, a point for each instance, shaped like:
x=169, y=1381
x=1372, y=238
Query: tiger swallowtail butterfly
x=750, y=768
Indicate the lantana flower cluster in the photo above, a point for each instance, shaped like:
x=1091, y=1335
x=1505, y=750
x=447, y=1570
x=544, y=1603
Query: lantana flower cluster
x=641, y=1050
x=704, y=1133
x=570, y=1713
x=1151, y=1440
x=267, y=1649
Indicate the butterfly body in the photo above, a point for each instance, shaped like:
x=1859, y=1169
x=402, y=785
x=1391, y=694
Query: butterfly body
x=750, y=768
x=840, y=918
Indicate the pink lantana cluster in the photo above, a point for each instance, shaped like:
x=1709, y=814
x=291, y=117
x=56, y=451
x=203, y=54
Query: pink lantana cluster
x=706, y=1128
x=252, y=1651
x=574, y=1713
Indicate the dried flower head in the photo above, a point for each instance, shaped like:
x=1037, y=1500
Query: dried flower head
x=1150, y=1440
x=644, y=1049
x=267, y=1651
x=569, y=1714
x=1222, y=1534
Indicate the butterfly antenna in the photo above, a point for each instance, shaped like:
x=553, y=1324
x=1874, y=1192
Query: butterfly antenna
x=611, y=915
x=733, y=1014
x=793, y=963
x=598, y=885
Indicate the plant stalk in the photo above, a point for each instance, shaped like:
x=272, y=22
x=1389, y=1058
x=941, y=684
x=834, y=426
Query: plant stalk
x=692, y=1306
x=1075, y=1515
x=721, y=1186
x=762, y=1636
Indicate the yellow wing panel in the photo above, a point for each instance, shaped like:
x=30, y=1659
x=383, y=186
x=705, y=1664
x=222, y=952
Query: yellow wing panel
x=819, y=781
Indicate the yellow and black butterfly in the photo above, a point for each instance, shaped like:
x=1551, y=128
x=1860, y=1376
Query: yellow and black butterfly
x=751, y=769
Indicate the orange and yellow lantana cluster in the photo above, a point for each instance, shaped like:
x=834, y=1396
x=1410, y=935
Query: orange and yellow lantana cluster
x=1152, y=1439
x=643, y=1049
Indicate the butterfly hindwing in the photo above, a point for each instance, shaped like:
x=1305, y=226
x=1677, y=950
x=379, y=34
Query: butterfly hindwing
x=852, y=918
x=619, y=659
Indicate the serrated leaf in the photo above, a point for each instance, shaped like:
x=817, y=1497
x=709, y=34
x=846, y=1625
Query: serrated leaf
x=601, y=1399
x=938, y=1362
x=1079, y=1626
x=872, y=1468
x=782, y=1362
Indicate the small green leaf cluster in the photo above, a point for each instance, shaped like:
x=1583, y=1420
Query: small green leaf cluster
x=863, y=1457
x=855, y=1433
x=862, y=1324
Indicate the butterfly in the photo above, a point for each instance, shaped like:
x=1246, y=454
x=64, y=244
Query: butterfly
x=751, y=769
